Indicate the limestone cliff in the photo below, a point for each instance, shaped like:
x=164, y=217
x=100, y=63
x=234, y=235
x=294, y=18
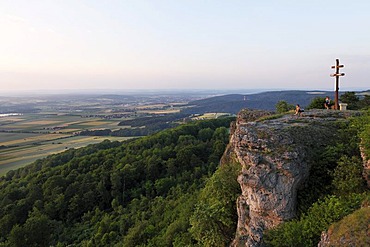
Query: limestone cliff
x=275, y=154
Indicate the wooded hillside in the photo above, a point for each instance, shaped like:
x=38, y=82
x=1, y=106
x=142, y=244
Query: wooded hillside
x=167, y=190
x=137, y=192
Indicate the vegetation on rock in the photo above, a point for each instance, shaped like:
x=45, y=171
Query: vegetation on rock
x=214, y=220
x=352, y=230
x=334, y=189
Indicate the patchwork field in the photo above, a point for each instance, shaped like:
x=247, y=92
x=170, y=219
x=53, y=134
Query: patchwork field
x=26, y=138
x=212, y=115
x=35, y=126
x=14, y=157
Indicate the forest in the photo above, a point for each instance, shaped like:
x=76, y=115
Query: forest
x=139, y=192
x=168, y=189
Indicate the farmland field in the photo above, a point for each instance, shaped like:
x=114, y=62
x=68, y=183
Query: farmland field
x=15, y=157
x=26, y=138
x=33, y=136
x=35, y=126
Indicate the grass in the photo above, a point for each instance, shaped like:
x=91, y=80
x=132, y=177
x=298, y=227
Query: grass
x=20, y=139
x=5, y=137
x=353, y=229
x=271, y=117
x=43, y=122
x=212, y=115
x=170, y=111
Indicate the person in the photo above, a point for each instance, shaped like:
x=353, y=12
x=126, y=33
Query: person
x=298, y=110
x=327, y=103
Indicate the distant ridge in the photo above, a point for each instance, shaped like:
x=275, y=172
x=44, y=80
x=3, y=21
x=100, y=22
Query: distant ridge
x=233, y=103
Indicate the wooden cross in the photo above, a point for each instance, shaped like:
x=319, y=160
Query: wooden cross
x=336, y=75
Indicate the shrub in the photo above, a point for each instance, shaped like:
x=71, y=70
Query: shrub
x=351, y=99
x=283, y=106
x=317, y=103
x=307, y=230
x=347, y=176
x=214, y=220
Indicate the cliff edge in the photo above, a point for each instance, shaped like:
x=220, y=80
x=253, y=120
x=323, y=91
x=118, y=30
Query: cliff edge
x=275, y=153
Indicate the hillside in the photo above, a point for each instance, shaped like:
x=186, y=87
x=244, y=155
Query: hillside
x=168, y=189
x=136, y=192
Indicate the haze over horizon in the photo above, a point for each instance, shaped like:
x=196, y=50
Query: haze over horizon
x=133, y=45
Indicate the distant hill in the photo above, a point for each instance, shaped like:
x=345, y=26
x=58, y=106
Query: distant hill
x=233, y=103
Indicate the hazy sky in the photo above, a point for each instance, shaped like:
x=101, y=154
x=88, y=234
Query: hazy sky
x=183, y=44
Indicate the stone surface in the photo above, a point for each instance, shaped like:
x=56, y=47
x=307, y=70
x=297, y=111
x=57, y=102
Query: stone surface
x=274, y=154
x=366, y=165
x=325, y=241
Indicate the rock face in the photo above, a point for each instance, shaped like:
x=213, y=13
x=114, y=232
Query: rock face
x=275, y=158
x=366, y=165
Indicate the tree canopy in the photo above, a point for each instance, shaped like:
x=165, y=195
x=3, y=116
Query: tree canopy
x=137, y=192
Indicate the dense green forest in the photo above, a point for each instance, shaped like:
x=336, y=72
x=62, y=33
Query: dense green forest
x=168, y=190
x=139, y=192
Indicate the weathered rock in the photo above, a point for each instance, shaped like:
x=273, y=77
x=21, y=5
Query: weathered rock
x=325, y=241
x=366, y=165
x=275, y=156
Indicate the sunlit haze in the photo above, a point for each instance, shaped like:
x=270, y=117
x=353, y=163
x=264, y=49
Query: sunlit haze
x=195, y=44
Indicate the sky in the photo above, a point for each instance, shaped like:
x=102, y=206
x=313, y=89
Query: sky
x=183, y=44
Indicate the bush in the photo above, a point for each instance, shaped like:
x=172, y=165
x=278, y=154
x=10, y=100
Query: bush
x=351, y=99
x=283, y=106
x=214, y=220
x=317, y=103
x=347, y=176
x=307, y=230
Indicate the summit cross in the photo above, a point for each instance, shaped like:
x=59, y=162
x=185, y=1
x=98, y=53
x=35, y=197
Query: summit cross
x=337, y=75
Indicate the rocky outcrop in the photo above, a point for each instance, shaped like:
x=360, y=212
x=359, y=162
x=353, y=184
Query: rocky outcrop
x=366, y=165
x=275, y=154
